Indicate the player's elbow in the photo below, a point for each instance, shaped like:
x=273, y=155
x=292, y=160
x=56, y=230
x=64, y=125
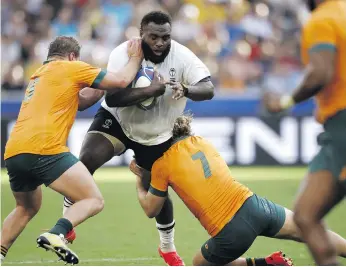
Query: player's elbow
x=209, y=92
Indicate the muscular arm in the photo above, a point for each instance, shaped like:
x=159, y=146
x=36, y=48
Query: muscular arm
x=150, y=203
x=203, y=90
x=113, y=81
x=128, y=97
x=319, y=73
x=88, y=97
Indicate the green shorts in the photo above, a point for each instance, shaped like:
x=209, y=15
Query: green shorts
x=257, y=217
x=28, y=171
x=332, y=155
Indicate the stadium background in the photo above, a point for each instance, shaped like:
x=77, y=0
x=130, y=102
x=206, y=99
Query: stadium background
x=249, y=47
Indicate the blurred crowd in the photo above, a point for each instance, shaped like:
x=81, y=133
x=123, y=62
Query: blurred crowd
x=249, y=46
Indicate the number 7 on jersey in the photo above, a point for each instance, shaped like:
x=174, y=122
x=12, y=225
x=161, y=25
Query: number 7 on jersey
x=205, y=164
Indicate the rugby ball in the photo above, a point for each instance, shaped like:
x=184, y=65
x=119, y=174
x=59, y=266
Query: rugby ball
x=143, y=79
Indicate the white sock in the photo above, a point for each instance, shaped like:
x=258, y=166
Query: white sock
x=67, y=203
x=2, y=257
x=166, y=232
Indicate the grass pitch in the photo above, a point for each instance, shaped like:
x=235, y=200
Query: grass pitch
x=122, y=235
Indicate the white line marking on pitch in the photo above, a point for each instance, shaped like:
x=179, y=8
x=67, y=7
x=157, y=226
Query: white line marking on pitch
x=87, y=260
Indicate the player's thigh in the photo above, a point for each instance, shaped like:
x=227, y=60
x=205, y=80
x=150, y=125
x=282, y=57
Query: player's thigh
x=236, y=237
x=319, y=192
x=105, y=139
x=289, y=230
x=20, y=172
x=98, y=148
x=147, y=155
x=76, y=183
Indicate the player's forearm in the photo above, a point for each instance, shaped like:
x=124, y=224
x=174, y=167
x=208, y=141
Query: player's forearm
x=130, y=96
x=142, y=195
x=128, y=73
x=88, y=97
x=200, y=91
x=314, y=81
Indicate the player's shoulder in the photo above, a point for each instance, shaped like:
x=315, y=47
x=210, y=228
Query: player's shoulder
x=76, y=64
x=120, y=47
x=319, y=18
x=180, y=51
x=159, y=165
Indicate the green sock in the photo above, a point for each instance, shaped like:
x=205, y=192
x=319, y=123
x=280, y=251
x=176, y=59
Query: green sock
x=63, y=226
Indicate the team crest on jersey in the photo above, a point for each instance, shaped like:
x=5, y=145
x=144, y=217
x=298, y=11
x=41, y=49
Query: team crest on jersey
x=172, y=74
x=107, y=123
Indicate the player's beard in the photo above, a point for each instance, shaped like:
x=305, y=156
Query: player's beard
x=311, y=4
x=150, y=55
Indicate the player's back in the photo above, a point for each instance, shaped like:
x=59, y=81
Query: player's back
x=47, y=111
x=200, y=176
x=327, y=29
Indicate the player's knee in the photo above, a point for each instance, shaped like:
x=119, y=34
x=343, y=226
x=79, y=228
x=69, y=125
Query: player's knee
x=28, y=212
x=98, y=203
x=302, y=219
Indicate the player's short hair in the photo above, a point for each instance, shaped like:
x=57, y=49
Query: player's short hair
x=182, y=126
x=63, y=46
x=158, y=17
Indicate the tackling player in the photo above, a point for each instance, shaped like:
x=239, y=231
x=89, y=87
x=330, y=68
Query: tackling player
x=232, y=214
x=36, y=152
x=323, y=48
x=124, y=123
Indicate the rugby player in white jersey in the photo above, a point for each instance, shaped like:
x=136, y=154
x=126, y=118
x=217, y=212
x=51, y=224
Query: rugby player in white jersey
x=124, y=123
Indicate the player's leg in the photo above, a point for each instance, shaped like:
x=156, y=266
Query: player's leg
x=322, y=190
x=65, y=174
x=291, y=231
x=237, y=236
x=99, y=145
x=145, y=158
x=275, y=259
x=319, y=194
x=28, y=198
x=27, y=206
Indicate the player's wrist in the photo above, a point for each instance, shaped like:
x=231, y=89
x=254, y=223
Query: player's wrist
x=286, y=101
x=185, y=89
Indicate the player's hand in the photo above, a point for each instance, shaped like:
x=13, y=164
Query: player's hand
x=135, y=169
x=158, y=84
x=178, y=90
x=271, y=102
x=134, y=48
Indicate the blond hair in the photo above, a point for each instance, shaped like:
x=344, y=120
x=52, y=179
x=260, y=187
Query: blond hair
x=182, y=126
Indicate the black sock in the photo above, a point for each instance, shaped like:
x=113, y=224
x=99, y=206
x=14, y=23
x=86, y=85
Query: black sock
x=256, y=262
x=4, y=251
x=166, y=214
x=63, y=226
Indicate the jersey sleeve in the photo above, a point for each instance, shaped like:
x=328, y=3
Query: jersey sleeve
x=159, y=179
x=319, y=34
x=194, y=69
x=86, y=75
x=118, y=58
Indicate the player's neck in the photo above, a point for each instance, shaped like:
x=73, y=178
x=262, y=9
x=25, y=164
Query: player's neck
x=55, y=58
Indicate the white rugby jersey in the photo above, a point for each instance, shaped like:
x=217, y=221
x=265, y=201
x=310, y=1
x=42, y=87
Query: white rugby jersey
x=154, y=126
